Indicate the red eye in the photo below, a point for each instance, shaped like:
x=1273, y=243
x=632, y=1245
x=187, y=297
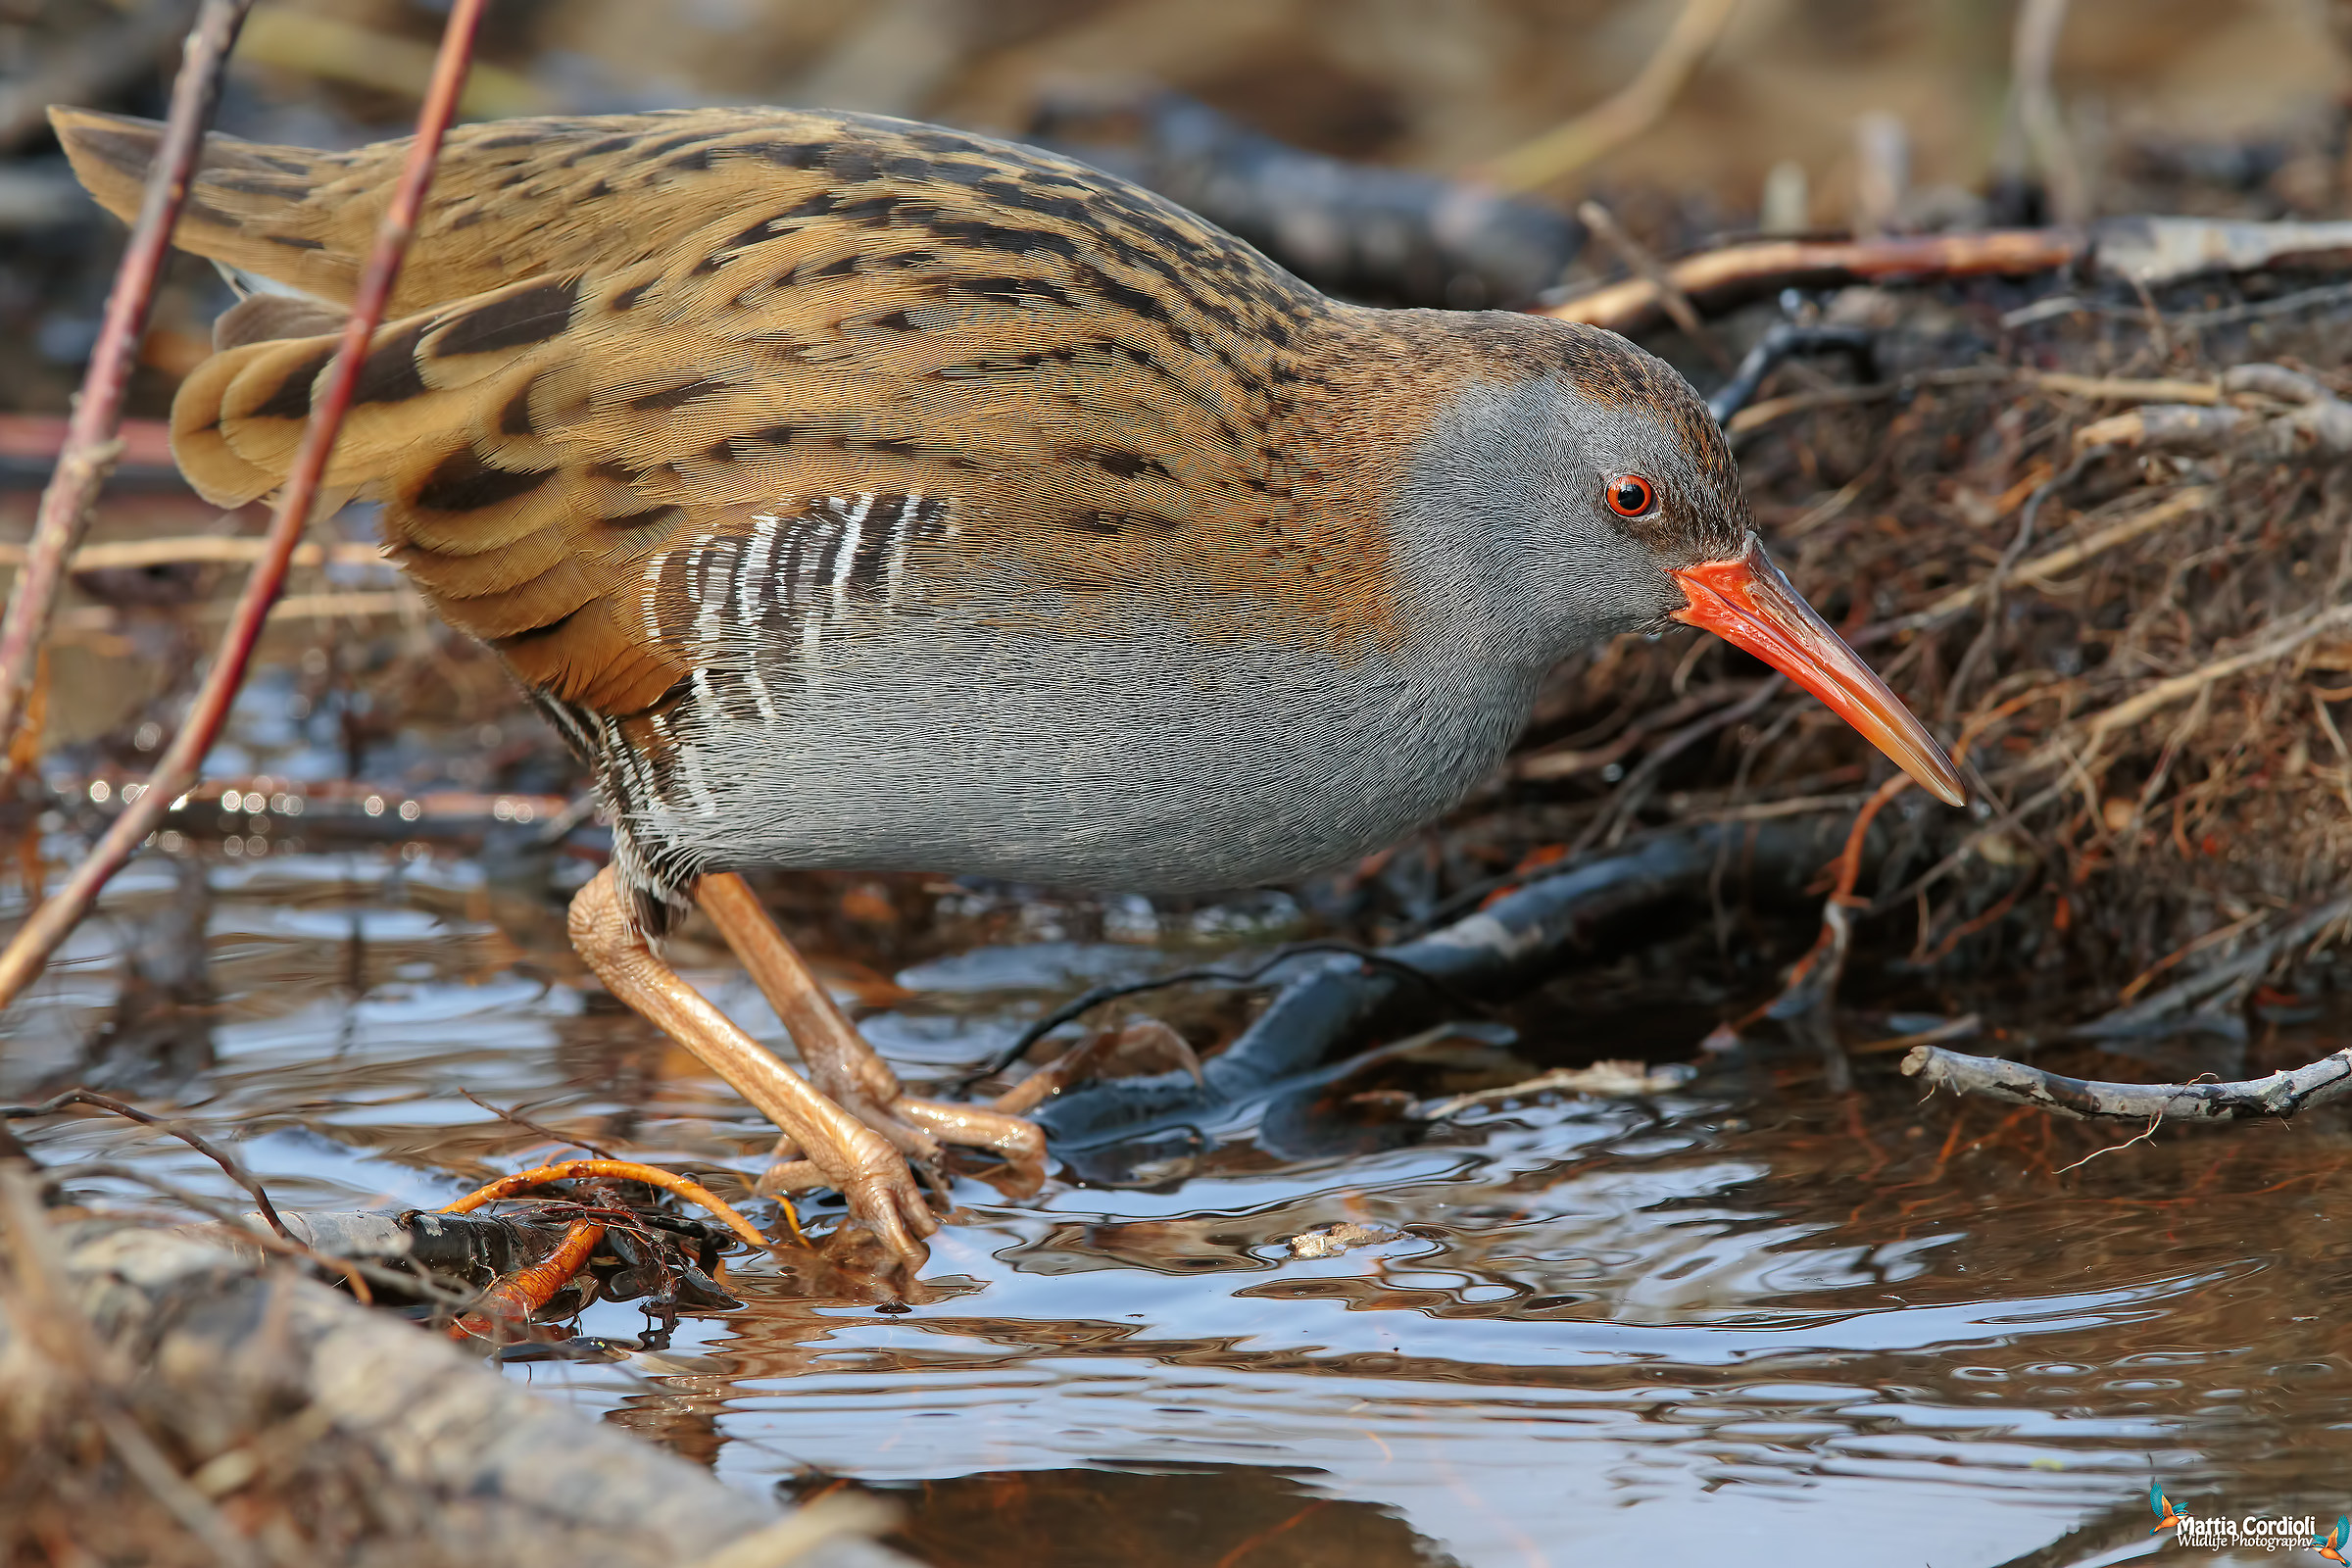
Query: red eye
x=1630, y=495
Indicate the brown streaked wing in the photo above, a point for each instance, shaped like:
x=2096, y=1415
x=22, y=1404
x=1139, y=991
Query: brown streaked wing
x=698, y=317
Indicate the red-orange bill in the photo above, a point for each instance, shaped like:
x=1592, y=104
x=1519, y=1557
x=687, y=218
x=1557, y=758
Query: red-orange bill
x=1749, y=603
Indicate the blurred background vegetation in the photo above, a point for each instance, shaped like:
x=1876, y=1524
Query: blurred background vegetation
x=1690, y=121
x=1841, y=97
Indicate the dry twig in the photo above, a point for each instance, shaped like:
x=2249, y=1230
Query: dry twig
x=204, y=1145
x=39, y=936
x=2034, y=102
x=1637, y=257
x=207, y=548
x=2044, y=569
x=90, y=447
x=1746, y=270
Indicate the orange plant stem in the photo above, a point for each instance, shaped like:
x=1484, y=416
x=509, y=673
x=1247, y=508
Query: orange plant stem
x=506, y=1307
x=627, y=1171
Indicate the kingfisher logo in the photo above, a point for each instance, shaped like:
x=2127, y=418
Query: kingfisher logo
x=2250, y=1532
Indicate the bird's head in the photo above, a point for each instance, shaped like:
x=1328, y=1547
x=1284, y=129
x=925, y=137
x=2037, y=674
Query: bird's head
x=1616, y=507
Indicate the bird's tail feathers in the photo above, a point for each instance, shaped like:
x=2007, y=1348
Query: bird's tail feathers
x=248, y=207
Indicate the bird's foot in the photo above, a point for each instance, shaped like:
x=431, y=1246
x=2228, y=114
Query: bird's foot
x=918, y=1129
x=875, y=1179
x=1016, y=1140
x=839, y=1149
x=846, y=1067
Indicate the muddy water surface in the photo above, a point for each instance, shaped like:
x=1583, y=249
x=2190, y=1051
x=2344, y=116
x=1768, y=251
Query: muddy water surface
x=1743, y=1321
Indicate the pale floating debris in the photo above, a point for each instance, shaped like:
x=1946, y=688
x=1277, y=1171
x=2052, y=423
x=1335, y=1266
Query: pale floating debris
x=1330, y=1240
x=1613, y=1078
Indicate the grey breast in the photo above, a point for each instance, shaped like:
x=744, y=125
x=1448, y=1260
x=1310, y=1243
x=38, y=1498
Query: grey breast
x=838, y=719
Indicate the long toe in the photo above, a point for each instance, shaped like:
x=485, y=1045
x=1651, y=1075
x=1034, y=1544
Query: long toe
x=1020, y=1143
x=892, y=1207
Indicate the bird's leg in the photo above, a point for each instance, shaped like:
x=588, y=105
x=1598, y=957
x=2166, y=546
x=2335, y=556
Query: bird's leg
x=839, y=1149
x=838, y=1059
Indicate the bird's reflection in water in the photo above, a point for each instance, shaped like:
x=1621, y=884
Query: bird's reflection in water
x=1178, y=1517
x=160, y=1033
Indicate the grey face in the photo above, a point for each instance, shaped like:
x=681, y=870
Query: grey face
x=1526, y=471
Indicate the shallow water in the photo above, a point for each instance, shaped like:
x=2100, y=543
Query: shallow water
x=1747, y=1318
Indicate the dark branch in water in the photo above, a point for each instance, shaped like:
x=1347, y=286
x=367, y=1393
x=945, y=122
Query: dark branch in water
x=1080, y=1006
x=1517, y=942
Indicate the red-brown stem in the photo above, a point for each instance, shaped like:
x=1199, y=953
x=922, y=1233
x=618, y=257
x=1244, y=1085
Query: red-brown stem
x=504, y=1309
x=89, y=451
x=1849, y=861
x=48, y=925
x=1714, y=277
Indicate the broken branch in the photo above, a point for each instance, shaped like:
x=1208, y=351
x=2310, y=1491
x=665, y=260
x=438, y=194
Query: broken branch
x=2282, y=1094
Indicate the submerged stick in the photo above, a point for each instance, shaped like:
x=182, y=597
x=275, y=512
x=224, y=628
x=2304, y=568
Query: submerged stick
x=181, y=763
x=1517, y=940
x=90, y=446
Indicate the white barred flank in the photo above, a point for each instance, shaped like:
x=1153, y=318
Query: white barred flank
x=751, y=611
x=796, y=574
